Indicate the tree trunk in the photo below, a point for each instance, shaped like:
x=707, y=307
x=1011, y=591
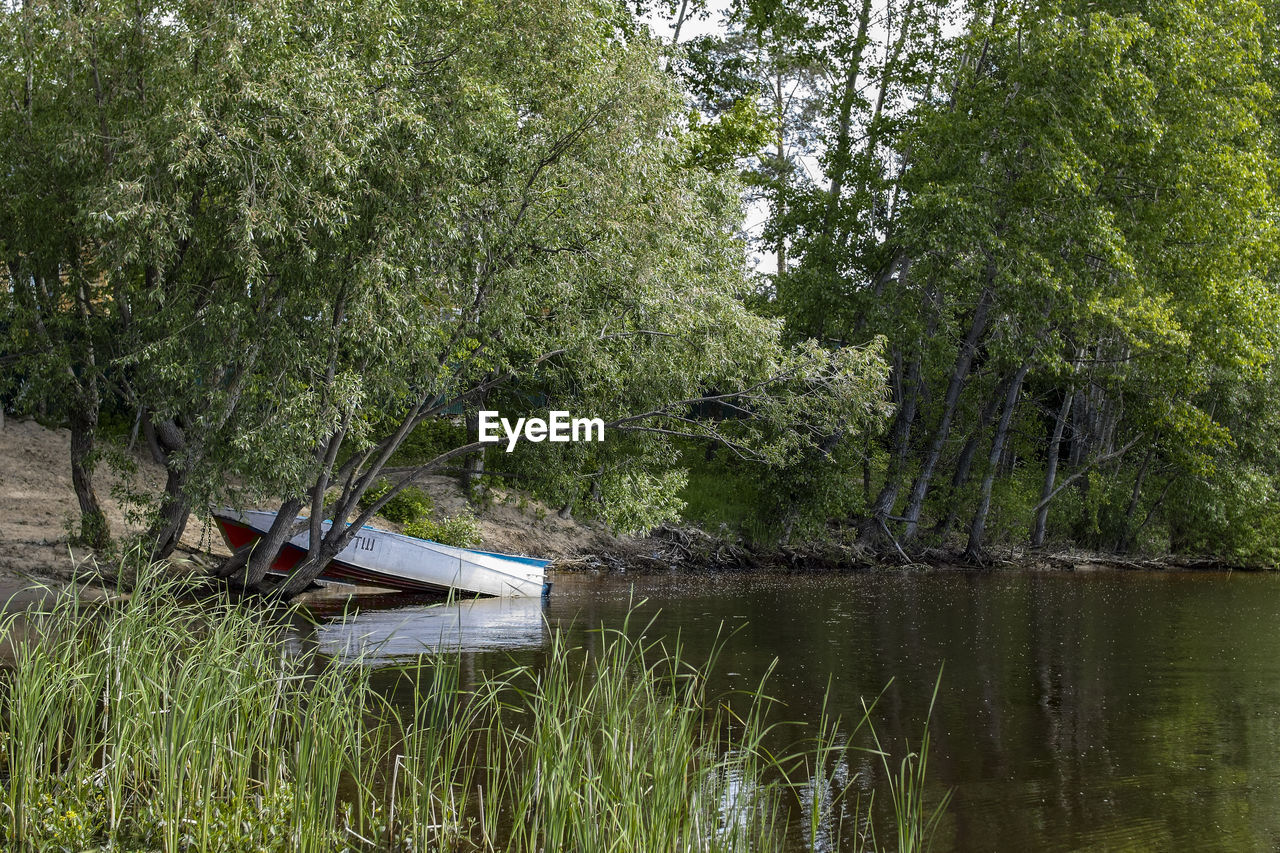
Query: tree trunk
x=866, y=473
x=899, y=265
x=900, y=443
x=876, y=126
x=153, y=443
x=323, y=549
x=964, y=463
x=779, y=207
x=309, y=568
x=1127, y=534
x=1080, y=429
x=473, y=465
x=1051, y=469
x=166, y=529
x=94, y=530
x=974, y=549
x=848, y=96
x=175, y=509
x=675, y=36
x=959, y=374
x=1152, y=509
x=83, y=417
x=248, y=567
x=133, y=433
x=348, y=516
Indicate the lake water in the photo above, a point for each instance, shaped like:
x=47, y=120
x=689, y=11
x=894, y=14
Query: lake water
x=1077, y=711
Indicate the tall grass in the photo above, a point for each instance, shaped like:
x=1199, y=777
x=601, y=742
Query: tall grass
x=170, y=727
x=153, y=724
x=915, y=822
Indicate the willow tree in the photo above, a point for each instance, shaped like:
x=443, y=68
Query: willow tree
x=320, y=225
x=563, y=244
x=170, y=171
x=51, y=157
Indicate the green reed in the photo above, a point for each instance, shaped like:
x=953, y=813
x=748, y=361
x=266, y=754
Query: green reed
x=160, y=723
x=915, y=822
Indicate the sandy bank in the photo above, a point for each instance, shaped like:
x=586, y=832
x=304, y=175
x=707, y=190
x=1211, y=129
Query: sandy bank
x=38, y=510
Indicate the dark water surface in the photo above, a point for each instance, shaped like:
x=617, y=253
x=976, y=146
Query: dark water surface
x=1078, y=711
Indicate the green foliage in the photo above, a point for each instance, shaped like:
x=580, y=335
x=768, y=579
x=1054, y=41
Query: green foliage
x=365, y=217
x=738, y=133
x=92, y=529
x=805, y=500
x=1081, y=196
x=461, y=530
x=409, y=504
x=1233, y=515
x=1013, y=499
x=414, y=508
x=720, y=494
x=70, y=816
x=812, y=498
x=159, y=726
x=362, y=217
x=429, y=439
x=636, y=502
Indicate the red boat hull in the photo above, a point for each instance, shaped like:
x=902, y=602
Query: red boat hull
x=237, y=535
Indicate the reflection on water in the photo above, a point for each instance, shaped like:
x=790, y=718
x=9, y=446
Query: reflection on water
x=1086, y=711
x=383, y=635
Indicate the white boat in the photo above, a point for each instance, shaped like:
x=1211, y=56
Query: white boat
x=381, y=558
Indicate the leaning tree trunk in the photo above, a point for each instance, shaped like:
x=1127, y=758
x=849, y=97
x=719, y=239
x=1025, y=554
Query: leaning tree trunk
x=247, y=567
x=83, y=417
x=976, y=529
x=964, y=463
x=171, y=521
x=311, y=566
x=1128, y=533
x=1051, y=470
x=900, y=443
x=473, y=464
x=153, y=441
x=1079, y=430
x=866, y=472
x=322, y=551
x=959, y=374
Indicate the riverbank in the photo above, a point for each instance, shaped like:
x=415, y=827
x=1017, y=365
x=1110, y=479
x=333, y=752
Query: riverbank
x=693, y=551
x=38, y=510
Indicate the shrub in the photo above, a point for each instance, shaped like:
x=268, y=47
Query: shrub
x=410, y=504
x=461, y=531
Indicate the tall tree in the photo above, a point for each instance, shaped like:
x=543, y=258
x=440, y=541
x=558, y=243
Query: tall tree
x=343, y=224
x=1074, y=199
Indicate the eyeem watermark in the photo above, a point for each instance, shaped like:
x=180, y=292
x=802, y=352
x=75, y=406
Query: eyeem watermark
x=558, y=427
